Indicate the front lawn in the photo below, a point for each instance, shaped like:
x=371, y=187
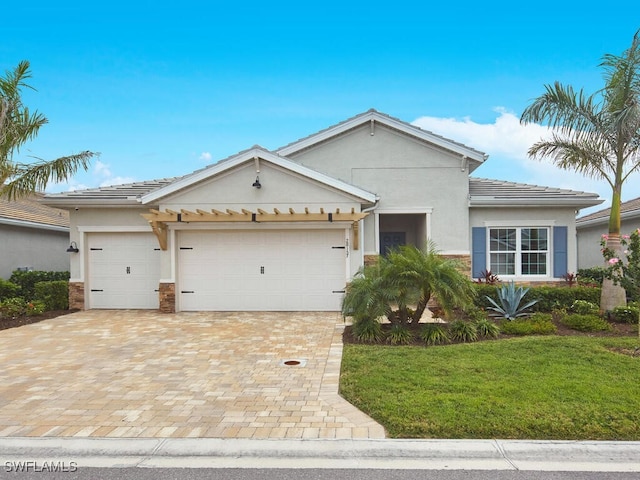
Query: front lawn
x=571, y=388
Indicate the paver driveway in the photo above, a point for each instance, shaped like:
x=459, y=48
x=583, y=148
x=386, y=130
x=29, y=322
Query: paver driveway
x=106, y=373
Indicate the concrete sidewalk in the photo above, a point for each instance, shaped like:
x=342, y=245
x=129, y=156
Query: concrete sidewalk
x=354, y=453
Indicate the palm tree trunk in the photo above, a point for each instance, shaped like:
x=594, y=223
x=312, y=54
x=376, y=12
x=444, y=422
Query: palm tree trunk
x=612, y=295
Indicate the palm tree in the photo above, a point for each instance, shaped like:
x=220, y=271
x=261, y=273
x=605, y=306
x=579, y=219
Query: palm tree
x=401, y=284
x=18, y=125
x=597, y=135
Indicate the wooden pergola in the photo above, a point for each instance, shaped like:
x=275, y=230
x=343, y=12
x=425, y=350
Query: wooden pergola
x=159, y=219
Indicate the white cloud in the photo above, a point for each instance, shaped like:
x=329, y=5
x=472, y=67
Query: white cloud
x=507, y=141
x=101, y=169
x=116, y=181
x=205, y=156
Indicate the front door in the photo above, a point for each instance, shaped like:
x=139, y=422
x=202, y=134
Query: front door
x=390, y=240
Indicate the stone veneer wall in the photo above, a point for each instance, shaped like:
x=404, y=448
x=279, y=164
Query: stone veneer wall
x=76, y=295
x=167, y=297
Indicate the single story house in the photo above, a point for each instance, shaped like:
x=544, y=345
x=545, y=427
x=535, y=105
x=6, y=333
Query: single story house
x=33, y=236
x=287, y=229
x=590, y=229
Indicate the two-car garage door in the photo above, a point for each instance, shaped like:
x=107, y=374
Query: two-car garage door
x=221, y=270
x=261, y=270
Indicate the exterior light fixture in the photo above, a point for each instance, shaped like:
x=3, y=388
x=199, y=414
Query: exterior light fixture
x=257, y=183
x=73, y=248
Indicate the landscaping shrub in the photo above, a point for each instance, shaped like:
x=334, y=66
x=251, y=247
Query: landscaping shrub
x=8, y=289
x=553, y=297
x=586, y=323
x=510, y=303
x=27, y=280
x=36, y=307
x=628, y=314
x=434, y=334
x=399, y=335
x=487, y=328
x=585, y=308
x=55, y=295
x=367, y=330
x=536, y=324
x=463, y=331
x=13, y=307
x=548, y=297
x=591, y=276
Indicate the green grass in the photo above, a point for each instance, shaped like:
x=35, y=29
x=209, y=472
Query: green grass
x=571, y=388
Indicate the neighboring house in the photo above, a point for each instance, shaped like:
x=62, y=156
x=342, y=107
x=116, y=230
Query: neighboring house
x=591, y=227
x=33, y=236
x=287, y=229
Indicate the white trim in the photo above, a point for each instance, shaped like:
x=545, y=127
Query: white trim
x=113, y=229
x=403, y=210
x=35, y=225
x=519, y=223
x=518, y=276
x=250, y=156
x=427, y=211
x=454, y=252
x=373, y=116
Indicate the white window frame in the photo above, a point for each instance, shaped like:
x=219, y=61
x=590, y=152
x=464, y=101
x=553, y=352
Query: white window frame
x=518, y=251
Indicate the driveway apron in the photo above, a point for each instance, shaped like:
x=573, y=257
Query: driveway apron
x=119, y=373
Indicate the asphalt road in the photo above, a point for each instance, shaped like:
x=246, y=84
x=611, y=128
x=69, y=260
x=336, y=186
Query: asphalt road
x=308, y=474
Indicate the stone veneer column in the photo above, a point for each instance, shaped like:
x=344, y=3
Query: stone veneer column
x=465, y=260
x=167, y=297
x=76, y=295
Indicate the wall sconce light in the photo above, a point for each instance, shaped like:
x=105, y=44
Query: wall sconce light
x=73, y=248
x=257, y=183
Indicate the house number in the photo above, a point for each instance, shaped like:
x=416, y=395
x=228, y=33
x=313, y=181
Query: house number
x=262, y=270
x=128, y=270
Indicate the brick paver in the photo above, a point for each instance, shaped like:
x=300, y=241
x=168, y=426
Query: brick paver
x=119, y=373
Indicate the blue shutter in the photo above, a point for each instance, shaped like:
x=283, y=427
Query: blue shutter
x=559, y=251
x=478, y=251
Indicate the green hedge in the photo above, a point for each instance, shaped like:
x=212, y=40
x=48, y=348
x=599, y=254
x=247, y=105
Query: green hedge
x=27, y=281
x=548, y=297
x=8, y=289
x=55, y=295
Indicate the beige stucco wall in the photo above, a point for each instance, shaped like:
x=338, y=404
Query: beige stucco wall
x=405, y=173
x=530, y=217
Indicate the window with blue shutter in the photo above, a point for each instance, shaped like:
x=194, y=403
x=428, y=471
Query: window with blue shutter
x=478, y=251
x=560, y=256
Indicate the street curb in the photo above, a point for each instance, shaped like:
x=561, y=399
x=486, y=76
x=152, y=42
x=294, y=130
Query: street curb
x=384, y=454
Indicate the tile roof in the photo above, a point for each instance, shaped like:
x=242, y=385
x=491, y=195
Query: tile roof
x=112, y=194
x=30, y=210
x=487, y=192
x=630, y=208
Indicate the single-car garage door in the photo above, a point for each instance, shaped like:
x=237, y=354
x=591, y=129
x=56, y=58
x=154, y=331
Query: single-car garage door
x=124, y=270
x=288, y=270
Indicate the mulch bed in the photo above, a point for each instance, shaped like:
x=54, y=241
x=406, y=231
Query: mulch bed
x=6, y=323
x=619, y=330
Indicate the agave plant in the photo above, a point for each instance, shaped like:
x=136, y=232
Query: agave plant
x=510, y=298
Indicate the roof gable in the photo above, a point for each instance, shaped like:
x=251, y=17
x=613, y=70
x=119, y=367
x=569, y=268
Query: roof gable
x=373, y=117
x=255, y=154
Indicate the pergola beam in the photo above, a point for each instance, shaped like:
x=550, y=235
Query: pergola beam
x=159, y=219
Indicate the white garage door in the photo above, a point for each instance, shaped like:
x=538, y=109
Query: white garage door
x=285, y=270
x=124, y=270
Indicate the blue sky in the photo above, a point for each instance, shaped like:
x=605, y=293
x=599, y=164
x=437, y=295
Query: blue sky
x=162, y=89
